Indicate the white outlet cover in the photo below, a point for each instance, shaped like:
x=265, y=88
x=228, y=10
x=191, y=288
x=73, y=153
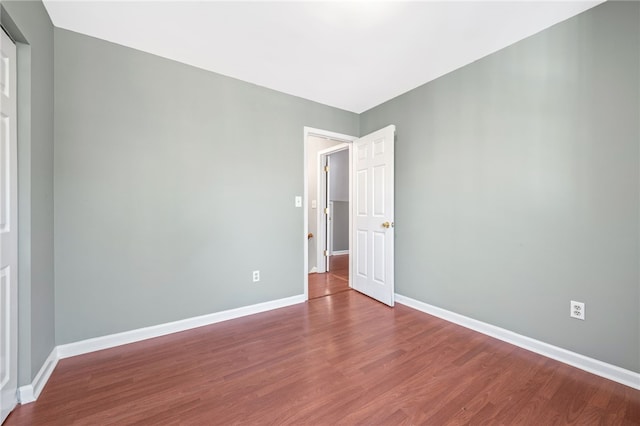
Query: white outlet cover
x=577, y=310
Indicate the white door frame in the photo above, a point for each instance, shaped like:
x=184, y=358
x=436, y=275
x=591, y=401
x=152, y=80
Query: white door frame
x=323, y=240
x=310, y=131
x=9, y=250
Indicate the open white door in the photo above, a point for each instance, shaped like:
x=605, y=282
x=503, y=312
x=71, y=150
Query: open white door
x=8, y=229
x=373, y=230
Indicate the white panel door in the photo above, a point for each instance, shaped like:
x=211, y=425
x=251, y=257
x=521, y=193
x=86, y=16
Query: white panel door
x=373, y=214
x=8, y=229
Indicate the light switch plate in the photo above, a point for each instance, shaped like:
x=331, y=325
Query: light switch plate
x=298, y=201
x=314, y=204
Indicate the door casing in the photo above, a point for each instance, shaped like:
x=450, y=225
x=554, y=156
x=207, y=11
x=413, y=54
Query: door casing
x=9, y=229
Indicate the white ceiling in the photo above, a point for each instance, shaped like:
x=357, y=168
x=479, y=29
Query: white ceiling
x=351, y=55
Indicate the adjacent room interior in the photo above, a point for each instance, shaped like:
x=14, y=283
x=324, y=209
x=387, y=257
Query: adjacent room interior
x=163, y=227
x=328, y=195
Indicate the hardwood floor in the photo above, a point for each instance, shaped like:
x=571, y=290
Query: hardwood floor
x=332, y=282
x=341, y=359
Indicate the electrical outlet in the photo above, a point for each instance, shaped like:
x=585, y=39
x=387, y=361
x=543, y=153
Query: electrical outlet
x=256, y=276
x=577, y=310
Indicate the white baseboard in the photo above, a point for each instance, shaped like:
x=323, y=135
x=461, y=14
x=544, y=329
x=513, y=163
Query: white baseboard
x=30, y=393
x=112, y=340
x=603, y=369
x=314, y=270
x=339, y=252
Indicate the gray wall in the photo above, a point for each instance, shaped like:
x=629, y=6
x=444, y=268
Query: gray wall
x=339, y=176
x=172, y=185
x=340, y=225
x=29, y=24
x=339, y=194
x=517, y=186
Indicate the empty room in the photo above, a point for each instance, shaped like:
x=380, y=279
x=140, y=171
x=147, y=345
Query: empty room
x=319, y=213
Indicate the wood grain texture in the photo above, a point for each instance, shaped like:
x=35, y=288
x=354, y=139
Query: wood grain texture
x=334, y=281
x=341, y=359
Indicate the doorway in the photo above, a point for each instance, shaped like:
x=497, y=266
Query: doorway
x=331, y=213
x=333, y=197
x=371, y=211
x=327, y=266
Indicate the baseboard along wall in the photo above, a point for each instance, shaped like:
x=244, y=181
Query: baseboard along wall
x=29, y=393
x=591, y=365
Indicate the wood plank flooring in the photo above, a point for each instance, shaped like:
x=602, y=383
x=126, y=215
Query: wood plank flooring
x=334, y=281
x=341, y=359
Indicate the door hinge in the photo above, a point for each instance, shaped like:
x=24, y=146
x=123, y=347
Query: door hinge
x=326, y=210
x=326, y=169
x=326, y=253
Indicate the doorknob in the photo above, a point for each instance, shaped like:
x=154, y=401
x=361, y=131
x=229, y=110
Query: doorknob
x=387, y=225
